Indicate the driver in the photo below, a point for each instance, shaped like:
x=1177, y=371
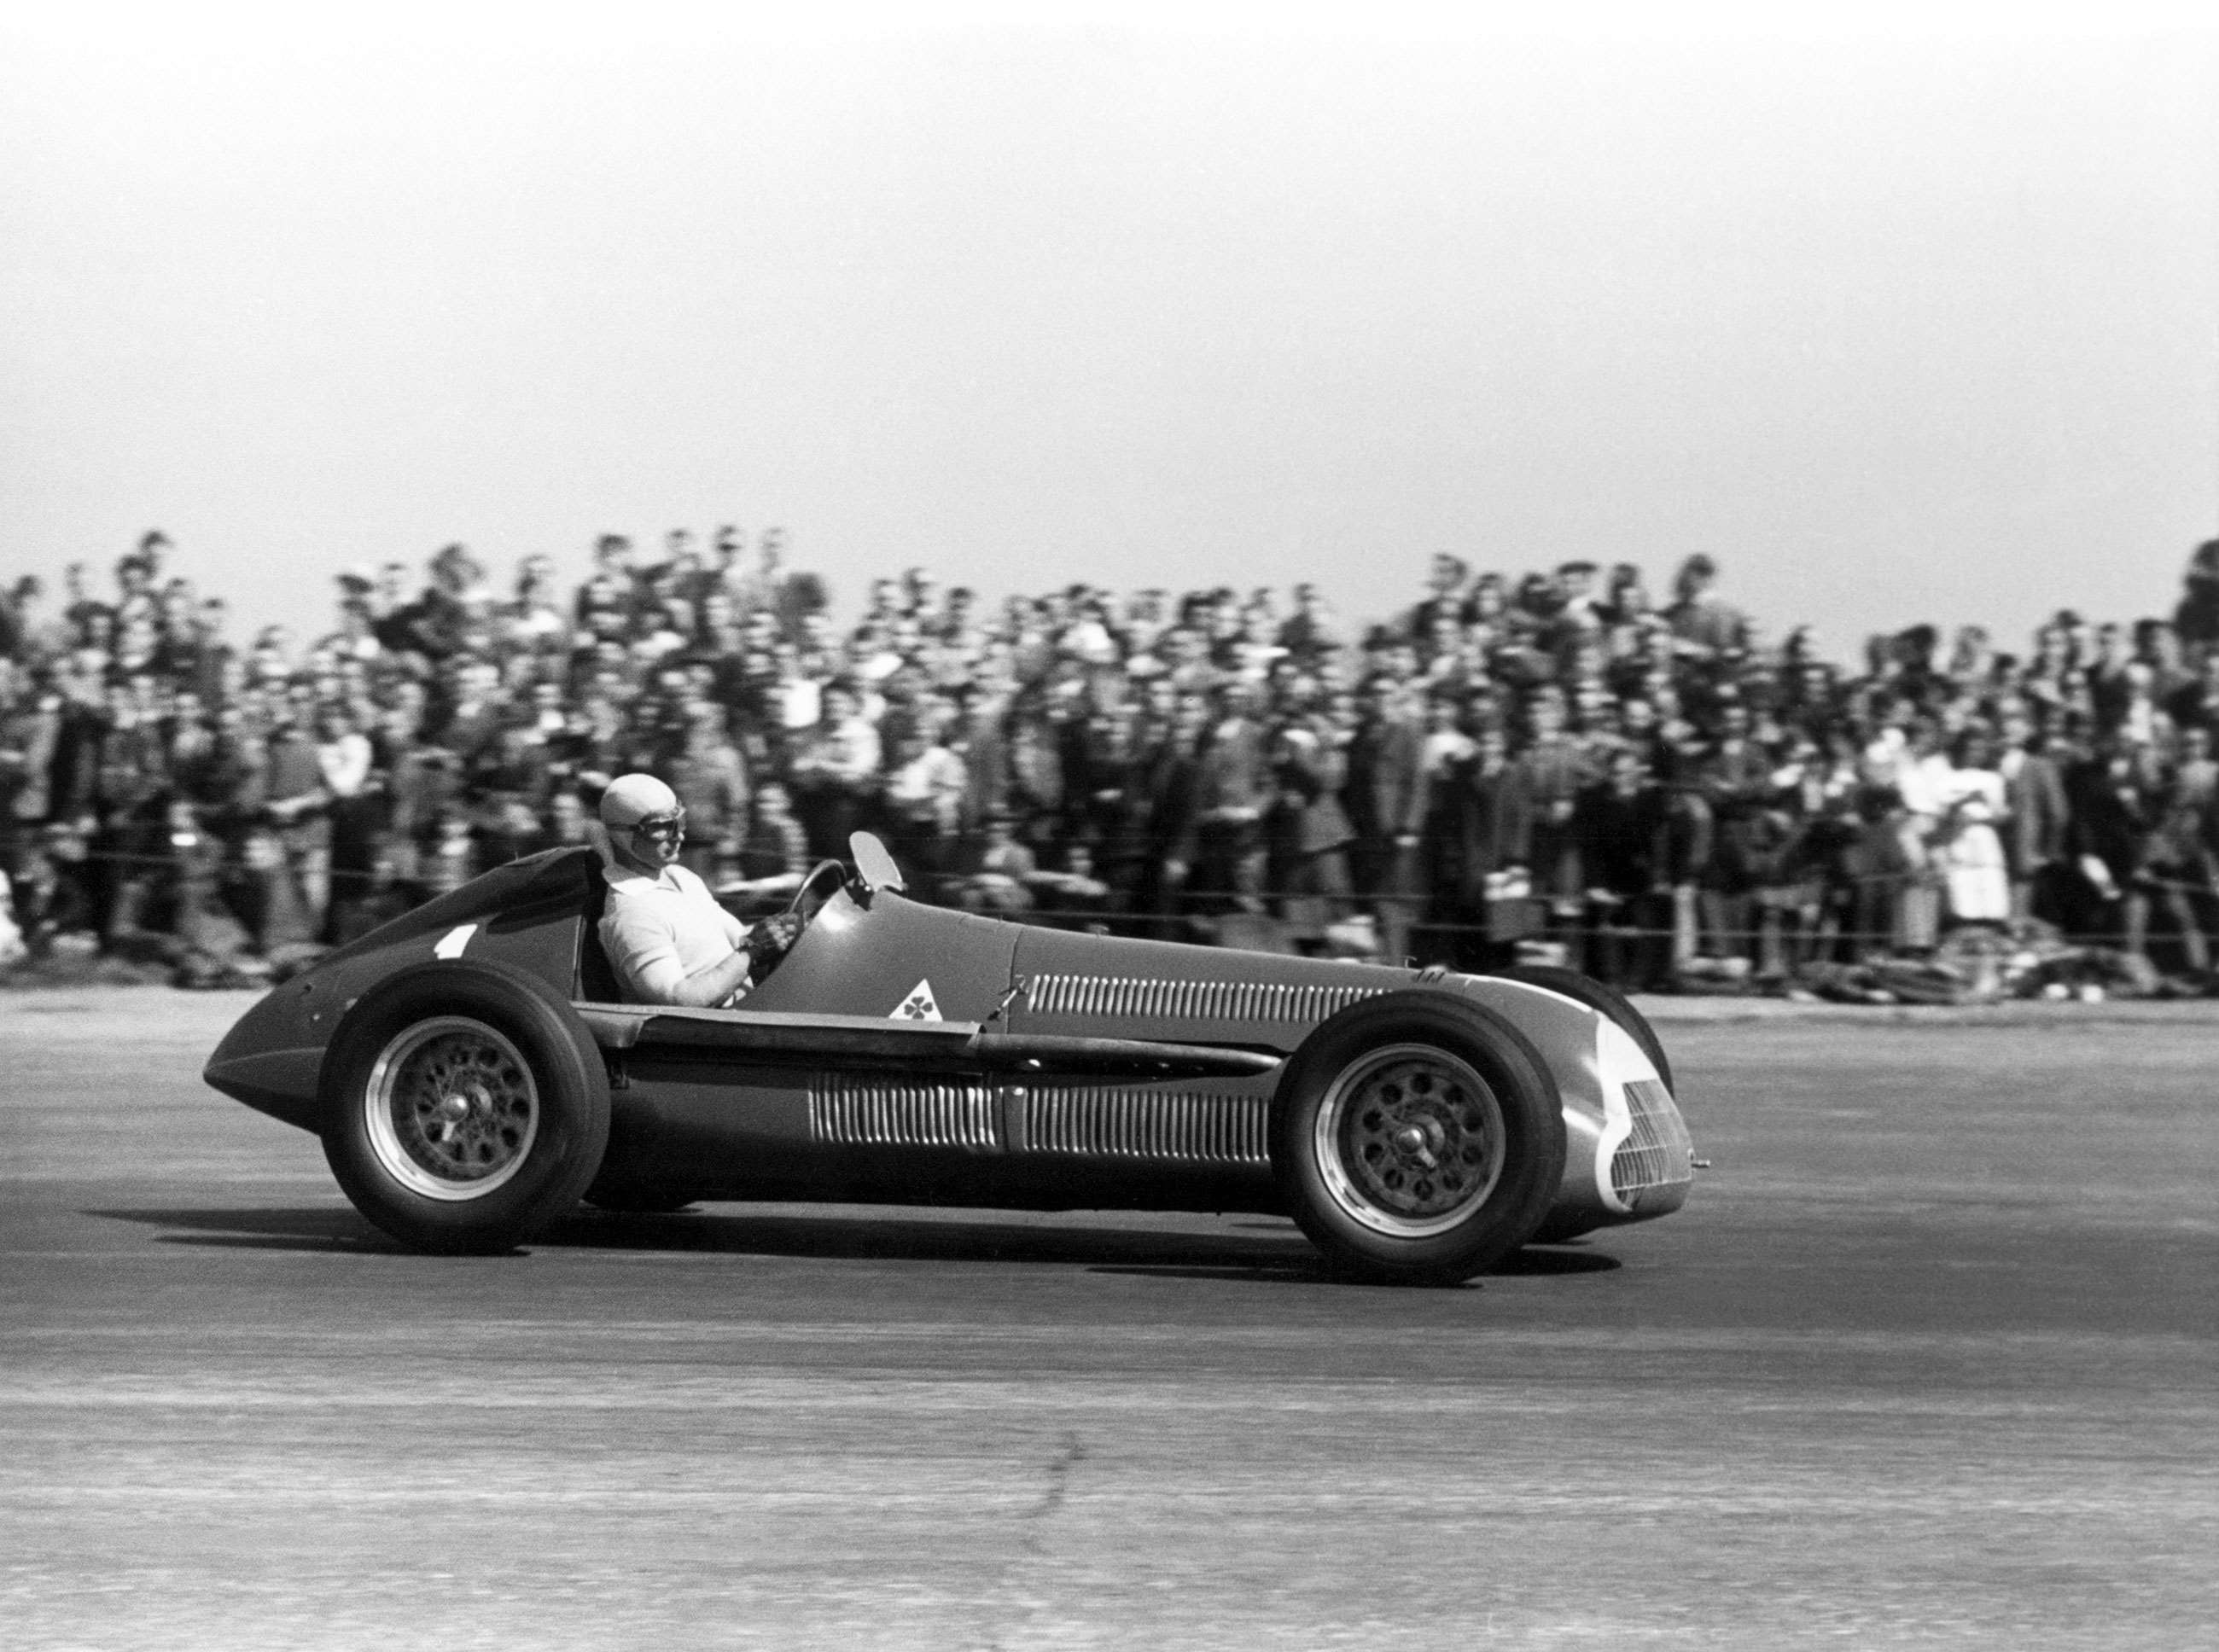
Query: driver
x=668, y=940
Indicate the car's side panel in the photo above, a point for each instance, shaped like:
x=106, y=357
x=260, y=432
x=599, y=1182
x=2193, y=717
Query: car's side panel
x=724, y=1106
x=726, y=1121
x=698, y=1123
x=716, y=1132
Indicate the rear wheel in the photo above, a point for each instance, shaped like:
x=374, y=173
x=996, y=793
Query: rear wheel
x=465, y=1107
x=1416, y=1137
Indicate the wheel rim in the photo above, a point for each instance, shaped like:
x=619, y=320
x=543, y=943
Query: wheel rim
x=452, y=1108
x=1410, y=1140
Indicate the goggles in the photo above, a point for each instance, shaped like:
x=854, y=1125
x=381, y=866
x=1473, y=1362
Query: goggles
x=663, y=828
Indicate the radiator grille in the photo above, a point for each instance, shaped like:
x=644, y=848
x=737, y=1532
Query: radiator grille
x=1132, y=1123
x=1122, y=995
x=892, y=1113
x=1655, y=1155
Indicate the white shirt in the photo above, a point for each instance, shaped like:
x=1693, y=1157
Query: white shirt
x=659, y=931
x=1976, y=794
x=800, y=703
x=1923, y=782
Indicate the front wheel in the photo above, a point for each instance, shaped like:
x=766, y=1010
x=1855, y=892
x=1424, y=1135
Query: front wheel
x=1417, y=1137
x=465, y=1108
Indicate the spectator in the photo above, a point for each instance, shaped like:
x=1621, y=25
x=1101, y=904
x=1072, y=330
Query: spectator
x=1975, y=872
x=1705, y=630
x=1076, y=898
x=1620, y=825
x=2196, y=618
x=295, y=805
x=1162, y=803
x=2182, y=868
x=2036, y=813
x=1922, y=779
x=1447, y=755
x=834, y=773
x=2109, y=796
x=1233, y=790
x=53, y=894
x=1543, y=727
x=923, y=806
x=1308, y=829
x=996, y=876
x=1495, y=818
x=774, y=856
x=711, y=778
x=1556, y=768
x=344, y=758
x=1390, y=798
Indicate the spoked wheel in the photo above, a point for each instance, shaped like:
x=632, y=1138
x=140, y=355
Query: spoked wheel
x=1416, y=1137
x=450, y=1109
x=465, y=1107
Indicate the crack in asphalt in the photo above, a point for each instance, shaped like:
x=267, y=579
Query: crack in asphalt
x=1033, y=1545
x=1059, y=1484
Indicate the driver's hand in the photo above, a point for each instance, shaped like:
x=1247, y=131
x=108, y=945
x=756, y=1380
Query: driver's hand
x=768, y=939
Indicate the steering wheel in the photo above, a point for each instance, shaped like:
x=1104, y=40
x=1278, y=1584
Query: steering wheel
x=809, y=900
x=773, y=937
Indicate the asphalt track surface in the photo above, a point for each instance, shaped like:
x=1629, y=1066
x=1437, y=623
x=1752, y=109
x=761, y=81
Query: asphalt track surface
x=1928, y=1360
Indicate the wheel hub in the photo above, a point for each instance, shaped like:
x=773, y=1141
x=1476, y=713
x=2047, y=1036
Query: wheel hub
x=1414, y=1137
x=452, y=1108
x=1420, y=1142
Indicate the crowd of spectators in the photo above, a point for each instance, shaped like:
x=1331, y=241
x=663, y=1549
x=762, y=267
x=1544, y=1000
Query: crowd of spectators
x=1556, y=761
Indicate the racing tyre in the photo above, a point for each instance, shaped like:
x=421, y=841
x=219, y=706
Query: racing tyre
x=1417, y=1137
x=465, y=1107
x=1603, y=1000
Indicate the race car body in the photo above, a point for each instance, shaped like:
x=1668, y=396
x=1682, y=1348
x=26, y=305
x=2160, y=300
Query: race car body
x=473, y=1070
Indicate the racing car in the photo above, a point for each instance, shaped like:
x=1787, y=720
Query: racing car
x=474, y=1071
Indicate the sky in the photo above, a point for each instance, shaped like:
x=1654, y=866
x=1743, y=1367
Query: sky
x=1899, y=322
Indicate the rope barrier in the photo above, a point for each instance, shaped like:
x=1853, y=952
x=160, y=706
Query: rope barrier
x=1797, y=930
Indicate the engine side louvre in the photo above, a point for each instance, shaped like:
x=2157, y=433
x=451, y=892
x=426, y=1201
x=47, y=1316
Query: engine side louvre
x=1276, y=1002
x=1129, y=1123
x=867, y=1112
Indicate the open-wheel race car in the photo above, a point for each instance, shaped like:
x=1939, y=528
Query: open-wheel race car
x=473, y=1072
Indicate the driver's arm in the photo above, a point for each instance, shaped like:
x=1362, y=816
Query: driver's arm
x=713, y=984
x=660, y=974
x=654, y=973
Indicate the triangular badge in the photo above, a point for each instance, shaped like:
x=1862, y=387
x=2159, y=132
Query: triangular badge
x=918, y=1006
